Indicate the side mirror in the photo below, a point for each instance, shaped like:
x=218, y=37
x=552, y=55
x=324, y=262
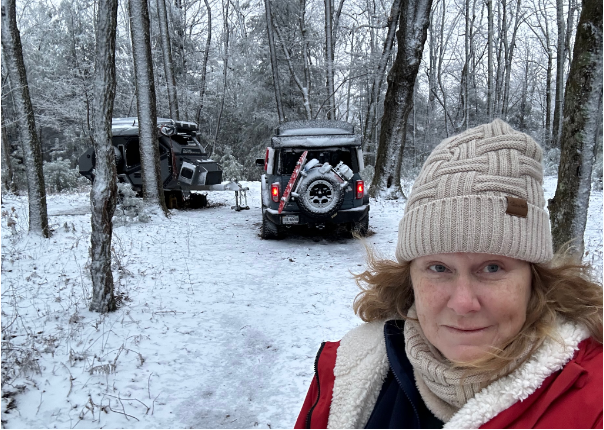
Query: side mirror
x=260, y=162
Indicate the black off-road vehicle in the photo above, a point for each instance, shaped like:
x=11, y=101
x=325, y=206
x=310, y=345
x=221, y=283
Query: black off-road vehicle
x=184, y=164
x=312, y=178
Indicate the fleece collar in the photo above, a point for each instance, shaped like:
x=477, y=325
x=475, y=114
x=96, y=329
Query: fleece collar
x=362, y=366
x=360, y=370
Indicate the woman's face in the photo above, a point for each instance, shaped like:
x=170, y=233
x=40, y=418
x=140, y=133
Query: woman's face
x=468, y=302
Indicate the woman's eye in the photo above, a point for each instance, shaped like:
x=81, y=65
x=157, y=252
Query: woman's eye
x=491, y=268
x=439, y=268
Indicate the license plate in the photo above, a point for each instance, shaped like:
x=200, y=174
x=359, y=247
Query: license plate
x=290, y=219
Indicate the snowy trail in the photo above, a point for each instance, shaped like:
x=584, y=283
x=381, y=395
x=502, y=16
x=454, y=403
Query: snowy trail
x=218, y=328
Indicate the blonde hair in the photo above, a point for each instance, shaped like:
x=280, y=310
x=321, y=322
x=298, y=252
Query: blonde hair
x=561, y=287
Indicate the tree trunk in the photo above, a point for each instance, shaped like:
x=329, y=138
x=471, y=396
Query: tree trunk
x=523, y=111
x=582, y=113
x=329, y=57
x=572, y=5
x=305, y=58
x=153, y=194
x=548, y=101
x=167, y=56
x=465, y=79
x=104, y=191
x=227, y=34
x=559, y=99
x=204, y=67
x=294, y=76
x=413, y=28
x=380, y=71
x=508, y=65
x=32, y=153
x=490, y=60
x=9, y=183
x=274, y=67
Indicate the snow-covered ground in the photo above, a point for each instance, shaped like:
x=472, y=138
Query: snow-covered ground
x=216, y=328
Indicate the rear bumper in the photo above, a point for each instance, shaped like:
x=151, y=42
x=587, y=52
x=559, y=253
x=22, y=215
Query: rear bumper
x=342, y=216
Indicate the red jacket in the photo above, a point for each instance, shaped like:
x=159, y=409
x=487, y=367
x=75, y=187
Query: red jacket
x=568, y=398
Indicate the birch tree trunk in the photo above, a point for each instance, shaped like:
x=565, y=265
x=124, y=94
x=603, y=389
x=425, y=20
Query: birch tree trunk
x=329, y=57
x=32, y=153
x=204, y=67
x=167, y=57
x=271, y=46
x=582, y=113
x=413, y=28
x=104, y=191
x=378, y=77
x=153, y=194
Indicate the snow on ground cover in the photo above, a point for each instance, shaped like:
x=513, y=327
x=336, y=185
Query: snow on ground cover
x=217, y=328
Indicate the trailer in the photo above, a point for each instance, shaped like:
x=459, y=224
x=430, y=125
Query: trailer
x=185, y=167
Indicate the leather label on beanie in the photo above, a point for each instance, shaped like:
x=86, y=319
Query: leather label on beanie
x=517, y=207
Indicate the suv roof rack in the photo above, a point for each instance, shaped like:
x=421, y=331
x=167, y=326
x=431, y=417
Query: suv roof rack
x=314, y=128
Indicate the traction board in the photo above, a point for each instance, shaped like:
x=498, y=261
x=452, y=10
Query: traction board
x=292, y=181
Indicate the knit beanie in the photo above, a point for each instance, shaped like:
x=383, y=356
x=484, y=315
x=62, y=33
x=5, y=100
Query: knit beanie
x=481, y=192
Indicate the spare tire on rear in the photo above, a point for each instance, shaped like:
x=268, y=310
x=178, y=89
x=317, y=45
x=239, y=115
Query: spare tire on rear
x=320, y=195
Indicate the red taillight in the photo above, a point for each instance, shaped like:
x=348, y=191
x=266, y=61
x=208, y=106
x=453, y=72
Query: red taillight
x=275, y=192
x=266, y=160
x=360, y=189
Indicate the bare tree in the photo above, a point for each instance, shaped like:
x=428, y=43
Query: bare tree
x=204, y=67
x=104, y=191
x=380, y=71
x=32, y=154
x=9, y=183
x=413, y=27
x=580, y=131
x=329, y=60
x=303, y=89
x=225, y=70
x=542, y=30
x=509, y=55
x=167, y=57
x=490, y=60
x=559, y=98
x=271, y=46
x=146, y=105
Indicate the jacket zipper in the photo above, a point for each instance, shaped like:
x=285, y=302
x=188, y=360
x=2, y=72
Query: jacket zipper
x=309, y=416
x=406, y=395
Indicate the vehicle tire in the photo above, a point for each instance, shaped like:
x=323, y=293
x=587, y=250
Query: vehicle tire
x=360, y=227
x=269, y=229
x=320, y=194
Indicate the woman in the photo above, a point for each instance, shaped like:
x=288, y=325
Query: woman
x=476, y=324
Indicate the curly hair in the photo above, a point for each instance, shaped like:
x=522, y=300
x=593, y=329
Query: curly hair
x=561, y=287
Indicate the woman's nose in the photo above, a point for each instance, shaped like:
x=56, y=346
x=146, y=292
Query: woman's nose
x=463, y=298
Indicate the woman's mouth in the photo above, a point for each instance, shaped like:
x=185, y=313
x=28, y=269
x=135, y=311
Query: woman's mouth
x=467, y=330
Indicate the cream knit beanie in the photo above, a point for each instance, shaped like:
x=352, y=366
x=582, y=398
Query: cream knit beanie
x=480, y=191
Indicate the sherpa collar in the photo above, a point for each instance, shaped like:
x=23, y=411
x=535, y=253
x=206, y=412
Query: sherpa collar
x=362, y=365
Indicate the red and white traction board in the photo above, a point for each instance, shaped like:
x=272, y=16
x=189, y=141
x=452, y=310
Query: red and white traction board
x=292, y=181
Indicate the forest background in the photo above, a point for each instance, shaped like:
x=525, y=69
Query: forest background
x=222, y=69
x=482, y=59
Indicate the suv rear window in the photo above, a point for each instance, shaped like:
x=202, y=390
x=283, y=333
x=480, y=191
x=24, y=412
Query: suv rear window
x=289, y=157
